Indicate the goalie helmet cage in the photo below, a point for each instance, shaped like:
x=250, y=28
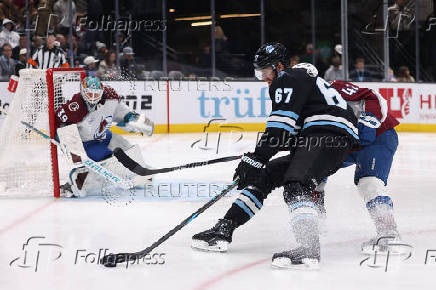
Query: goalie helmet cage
x=24, y=169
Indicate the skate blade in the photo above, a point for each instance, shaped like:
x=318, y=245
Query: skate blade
x=220, y=246
x=285, y=263
x=399, y=250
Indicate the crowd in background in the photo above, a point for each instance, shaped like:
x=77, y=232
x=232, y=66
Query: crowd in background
x=95, y=51
x=359, y=74
x=88, y=50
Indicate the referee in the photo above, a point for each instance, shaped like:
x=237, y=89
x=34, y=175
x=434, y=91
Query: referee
x=48, y=55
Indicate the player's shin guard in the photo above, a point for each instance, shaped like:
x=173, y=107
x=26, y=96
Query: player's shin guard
x=380, y=209
x=248, y=203
x=242, y=210
x=304, y=225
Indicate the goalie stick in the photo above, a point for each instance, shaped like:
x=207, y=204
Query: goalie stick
x=112, y=260
x=89, y=163
x=145, y=173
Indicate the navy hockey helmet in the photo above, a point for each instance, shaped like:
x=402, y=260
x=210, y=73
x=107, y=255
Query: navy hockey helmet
x=270, y=54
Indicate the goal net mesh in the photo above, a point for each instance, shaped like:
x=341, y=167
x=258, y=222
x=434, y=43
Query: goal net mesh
x=28, y=163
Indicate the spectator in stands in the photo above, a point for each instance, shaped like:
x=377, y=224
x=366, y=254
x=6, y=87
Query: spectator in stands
x=8, y=10
x=220, y=40
x=335, y=70
x=21, y=63
x=294, y=60
x=22, y=43
x=360, y=74
x=101, y=50
x=61, y=9
x=62, y=41
x=36, y=42
x=108, y=69
x=7, y=63
x=8, y=35
x=33, y=12
x=128, y=64
x=307, y=56
x=391, y=77
x=338, y=50
x=91, y=66
x=404, y=75
x=75, y=48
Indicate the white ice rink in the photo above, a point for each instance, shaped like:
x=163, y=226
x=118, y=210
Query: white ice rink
x=70, y=229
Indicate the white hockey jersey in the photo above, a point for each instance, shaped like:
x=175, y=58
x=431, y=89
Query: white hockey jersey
x=92, y=123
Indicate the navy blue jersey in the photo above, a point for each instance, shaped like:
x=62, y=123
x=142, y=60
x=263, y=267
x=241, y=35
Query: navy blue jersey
x=304, y=103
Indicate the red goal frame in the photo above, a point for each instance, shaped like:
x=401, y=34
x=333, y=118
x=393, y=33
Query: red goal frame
x=51, y=115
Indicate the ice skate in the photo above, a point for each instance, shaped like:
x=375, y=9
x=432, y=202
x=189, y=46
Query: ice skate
x=383, y=243
x=216, y=239
x=299, y=258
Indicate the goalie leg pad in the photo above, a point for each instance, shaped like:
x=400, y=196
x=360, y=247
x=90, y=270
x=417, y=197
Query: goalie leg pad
x=93, y=183
x=70, y=140
x=119, y=141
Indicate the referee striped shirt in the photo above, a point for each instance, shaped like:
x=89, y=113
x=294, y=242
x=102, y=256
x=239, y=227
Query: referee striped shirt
x=44, y=58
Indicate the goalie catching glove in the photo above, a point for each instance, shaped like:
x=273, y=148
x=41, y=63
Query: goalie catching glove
x=137, y=123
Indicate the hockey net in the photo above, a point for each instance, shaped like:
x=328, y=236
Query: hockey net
x=29, y=164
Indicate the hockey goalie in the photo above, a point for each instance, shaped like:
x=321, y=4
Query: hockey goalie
x=91, y=113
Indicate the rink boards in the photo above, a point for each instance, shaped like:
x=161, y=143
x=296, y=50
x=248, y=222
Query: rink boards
x=208, y=106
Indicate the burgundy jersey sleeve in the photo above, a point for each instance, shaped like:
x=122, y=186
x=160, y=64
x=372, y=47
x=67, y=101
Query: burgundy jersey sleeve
x=71, y=112
x=351, y=92
x=110, y=94
x=374, y=103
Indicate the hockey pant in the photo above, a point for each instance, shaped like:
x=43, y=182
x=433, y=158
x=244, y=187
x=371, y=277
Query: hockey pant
x=305, y=166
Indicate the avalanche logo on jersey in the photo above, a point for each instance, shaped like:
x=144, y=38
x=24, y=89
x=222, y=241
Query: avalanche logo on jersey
x=74, y=106
x=104, y=126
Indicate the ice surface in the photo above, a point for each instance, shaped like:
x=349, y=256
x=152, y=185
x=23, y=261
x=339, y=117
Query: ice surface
x=71, y=226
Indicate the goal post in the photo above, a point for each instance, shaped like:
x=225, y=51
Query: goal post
x=52, y=107
x=29, y=165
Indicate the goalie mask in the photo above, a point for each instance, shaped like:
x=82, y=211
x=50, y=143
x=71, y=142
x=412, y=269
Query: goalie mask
x=91, y=89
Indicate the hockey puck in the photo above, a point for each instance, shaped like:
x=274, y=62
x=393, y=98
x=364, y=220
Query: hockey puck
x=109, y=261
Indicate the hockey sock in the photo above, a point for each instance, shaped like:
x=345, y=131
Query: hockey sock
x=304, y=224
x=248, y=203
x=303, y=216
x=380, y=209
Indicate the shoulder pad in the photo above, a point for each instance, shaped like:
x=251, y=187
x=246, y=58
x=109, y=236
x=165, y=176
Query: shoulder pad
x=110, y=94
x=310, y=68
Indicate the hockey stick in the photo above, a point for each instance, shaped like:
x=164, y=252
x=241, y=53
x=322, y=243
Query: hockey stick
x=111, y=260
x=91, y=164
x=133, y=166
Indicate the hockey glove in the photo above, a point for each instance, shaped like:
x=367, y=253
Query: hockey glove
x=249, y=170
x=136, y=123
